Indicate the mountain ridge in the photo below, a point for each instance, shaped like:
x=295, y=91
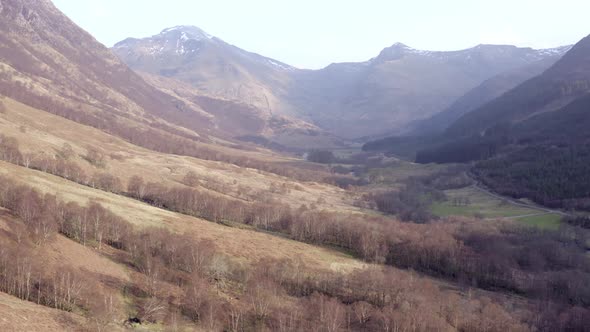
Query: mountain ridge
x=350, y=100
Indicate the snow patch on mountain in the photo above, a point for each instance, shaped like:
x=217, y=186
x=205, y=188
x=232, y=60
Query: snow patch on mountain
x=554, y=51
x=279, y=65
x=399, y=50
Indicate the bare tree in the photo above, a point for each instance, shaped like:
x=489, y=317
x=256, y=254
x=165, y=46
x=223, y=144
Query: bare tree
x=152, y=310
x=137, y=187
x=196, y=297
x=362, y=311
x=95, y=157
x=66, y=152
x=9, y=149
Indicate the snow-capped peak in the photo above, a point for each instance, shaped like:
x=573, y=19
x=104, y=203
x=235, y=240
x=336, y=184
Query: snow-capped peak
x=554, y=51
x=398, y=50
x=187, y=32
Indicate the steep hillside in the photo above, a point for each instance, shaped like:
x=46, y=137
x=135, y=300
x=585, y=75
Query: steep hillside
x=480, y=95
x=548, y=160
x=562, y=83
x=382, y=95
x=127, y=207
x=57, y=66
x=401, y=85
x=532, y=138
x=244, y=121
x=241, y=90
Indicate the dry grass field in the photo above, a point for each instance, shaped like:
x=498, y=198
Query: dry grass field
x=43, y=134
x=22, y=316
x=243, y=244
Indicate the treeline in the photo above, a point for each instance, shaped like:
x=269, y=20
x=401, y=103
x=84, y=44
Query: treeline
x=383, y=240
x=61, y=164
x=275, y=295
x=579, y=221
x=24, y=274
x=410, y=203
x=552, y=176
x=413, y=201
x=459, y=252
x=462, y=150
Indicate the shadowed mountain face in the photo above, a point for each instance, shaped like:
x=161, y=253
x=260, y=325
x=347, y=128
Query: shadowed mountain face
x=534, y=111
x=382, y=95
x=480, y=95
x=529, y=142
x=402, y=85
x=567, y=80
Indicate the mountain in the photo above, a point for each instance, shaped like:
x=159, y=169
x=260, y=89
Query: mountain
x=351, y=100
x=531, y=141
x=50, y=63
x=126, y=207
x=562, y=83
x=483, y=93
x=401, y=85
x=241, y=90
x=208, y=63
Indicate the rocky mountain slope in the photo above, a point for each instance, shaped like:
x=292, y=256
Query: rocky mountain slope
x=382, y=95
x=60, y=68
x=531, y=141
x=241, y=90
x=480, y=95
x=401, y=85
x=566, y=80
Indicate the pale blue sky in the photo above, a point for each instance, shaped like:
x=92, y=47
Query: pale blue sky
x=315, y=33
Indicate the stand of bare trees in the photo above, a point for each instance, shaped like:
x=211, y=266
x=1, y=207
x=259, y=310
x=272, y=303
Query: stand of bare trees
x=448, y=253
x=533, y=263
x=278, y=295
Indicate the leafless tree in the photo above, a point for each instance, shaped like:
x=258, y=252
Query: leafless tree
x=137, y=187
x=95, y=157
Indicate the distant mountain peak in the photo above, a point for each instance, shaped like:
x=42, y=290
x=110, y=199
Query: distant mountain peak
x=398, y=51
x=180, y=40
x=187, y=32
x=401, y=45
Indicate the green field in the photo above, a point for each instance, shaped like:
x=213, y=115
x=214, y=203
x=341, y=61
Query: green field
x=546, y=221
x=483, y=205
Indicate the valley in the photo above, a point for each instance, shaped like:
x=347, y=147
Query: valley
x=177, y=182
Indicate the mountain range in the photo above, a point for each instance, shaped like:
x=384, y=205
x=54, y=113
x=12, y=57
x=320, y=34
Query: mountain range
x=154, y=200
x=528, y=141
x=382, y=95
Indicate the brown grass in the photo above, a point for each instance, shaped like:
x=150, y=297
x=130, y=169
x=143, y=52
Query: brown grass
x=18, y=315
x=46, y=134
x=246, y=245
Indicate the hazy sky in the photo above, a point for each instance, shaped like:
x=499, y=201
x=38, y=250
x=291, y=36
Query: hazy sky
x=315, y=33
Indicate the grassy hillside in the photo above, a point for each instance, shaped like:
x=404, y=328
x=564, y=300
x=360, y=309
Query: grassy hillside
x=23, y=316
x=39, y=140
x=121, y=208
